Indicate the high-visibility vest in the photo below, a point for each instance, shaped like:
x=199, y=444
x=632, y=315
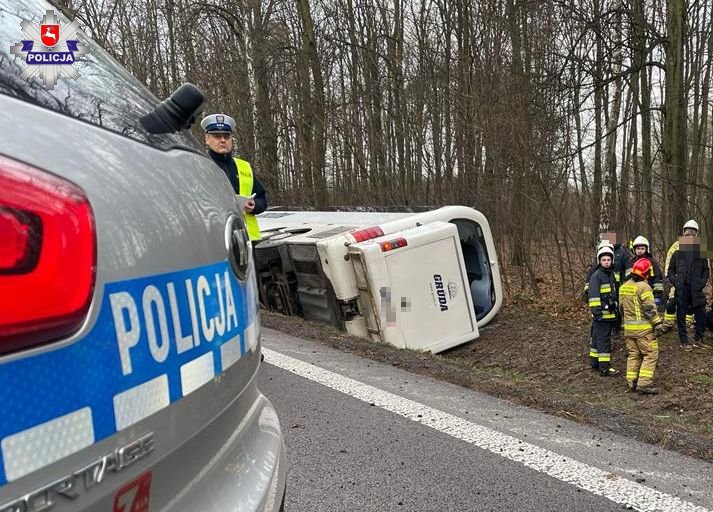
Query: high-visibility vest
x=245, y=178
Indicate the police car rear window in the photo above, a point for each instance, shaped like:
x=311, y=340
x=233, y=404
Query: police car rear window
x=104, y=94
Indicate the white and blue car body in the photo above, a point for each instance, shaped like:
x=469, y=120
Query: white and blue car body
x=129, y=323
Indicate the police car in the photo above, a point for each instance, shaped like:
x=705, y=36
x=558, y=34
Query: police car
x=129, y=327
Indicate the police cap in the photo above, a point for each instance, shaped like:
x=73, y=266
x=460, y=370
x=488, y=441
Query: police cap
x=218, y=123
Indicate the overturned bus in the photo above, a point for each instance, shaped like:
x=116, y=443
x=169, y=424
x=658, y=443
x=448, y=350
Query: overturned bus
x=423, y=281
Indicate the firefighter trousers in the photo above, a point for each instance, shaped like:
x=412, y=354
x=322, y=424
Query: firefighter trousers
x=600, y=350
x=641, y=363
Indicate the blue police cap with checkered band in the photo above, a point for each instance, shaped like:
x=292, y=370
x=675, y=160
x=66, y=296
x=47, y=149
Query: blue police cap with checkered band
x=218, y=123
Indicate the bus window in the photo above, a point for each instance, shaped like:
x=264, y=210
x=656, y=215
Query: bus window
x=475, y=256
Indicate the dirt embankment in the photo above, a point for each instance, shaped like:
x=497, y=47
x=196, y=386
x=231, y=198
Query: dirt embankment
x=534, y=359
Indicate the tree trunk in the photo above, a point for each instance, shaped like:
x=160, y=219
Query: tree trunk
x=674, y=129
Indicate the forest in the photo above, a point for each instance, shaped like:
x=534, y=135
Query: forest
x=557, y=119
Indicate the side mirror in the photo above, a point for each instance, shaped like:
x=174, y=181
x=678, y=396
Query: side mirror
x=175, y=113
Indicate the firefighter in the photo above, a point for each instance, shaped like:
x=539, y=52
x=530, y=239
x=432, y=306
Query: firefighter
x=641, y=249
x=690, y=228
x=620, y=263
x=641, y=325
x=688, y=272
x=605, y=312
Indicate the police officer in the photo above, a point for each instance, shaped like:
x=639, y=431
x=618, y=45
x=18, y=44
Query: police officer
x=218, y=129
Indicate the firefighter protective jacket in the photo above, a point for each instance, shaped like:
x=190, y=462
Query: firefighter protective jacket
x=638, y=309
x=619, y=266
x=603, y=295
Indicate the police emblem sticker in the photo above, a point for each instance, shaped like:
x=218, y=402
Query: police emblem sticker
x=51, y=49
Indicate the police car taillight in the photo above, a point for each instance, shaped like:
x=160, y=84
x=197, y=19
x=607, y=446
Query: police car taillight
x=47, y=256
x=363, y=235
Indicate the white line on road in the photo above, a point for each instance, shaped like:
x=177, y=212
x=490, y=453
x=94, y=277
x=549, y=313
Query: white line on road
x=592, y=479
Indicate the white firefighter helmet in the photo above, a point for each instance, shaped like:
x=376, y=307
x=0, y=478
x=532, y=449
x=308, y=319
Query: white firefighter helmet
x=605, y=249
x=691, y=224
x=640, y=240
x=605, y=243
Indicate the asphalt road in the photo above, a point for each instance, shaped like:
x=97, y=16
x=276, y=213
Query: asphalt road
x=363, y=436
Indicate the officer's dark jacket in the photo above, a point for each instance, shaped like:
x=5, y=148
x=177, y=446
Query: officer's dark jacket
x=656, y=279
x=689, y=273
x=227, y=163
x=603, y=295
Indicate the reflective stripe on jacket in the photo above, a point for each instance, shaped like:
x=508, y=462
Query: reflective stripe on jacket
x=639, y=316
